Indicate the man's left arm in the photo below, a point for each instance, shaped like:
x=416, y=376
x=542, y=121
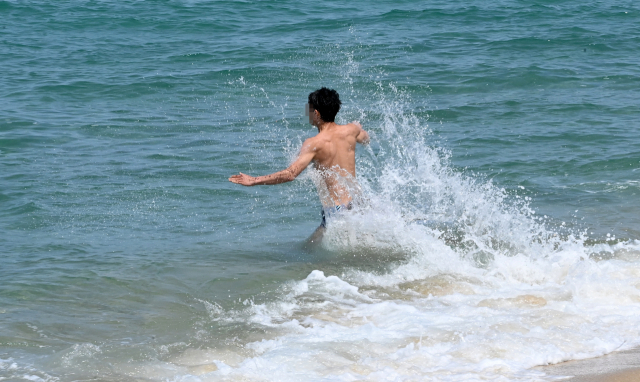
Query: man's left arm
x=307, y=153
x=362, y=137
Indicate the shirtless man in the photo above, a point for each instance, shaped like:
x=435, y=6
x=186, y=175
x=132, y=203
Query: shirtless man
x=332, y=150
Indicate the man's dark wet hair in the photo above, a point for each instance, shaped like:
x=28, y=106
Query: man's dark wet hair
x=327, y=102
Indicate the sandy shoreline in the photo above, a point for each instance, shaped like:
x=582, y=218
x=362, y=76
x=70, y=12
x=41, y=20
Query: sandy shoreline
x=623, y=366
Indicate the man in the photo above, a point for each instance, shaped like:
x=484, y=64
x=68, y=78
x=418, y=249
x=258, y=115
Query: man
x=332, y=150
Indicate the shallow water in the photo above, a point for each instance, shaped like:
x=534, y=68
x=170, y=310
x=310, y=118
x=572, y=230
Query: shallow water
x=501, y=225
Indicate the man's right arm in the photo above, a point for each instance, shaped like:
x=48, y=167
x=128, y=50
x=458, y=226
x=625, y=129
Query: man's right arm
x=307, y=153
x=363, y=136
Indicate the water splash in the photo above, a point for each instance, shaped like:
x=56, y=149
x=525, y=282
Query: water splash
x=472, y=283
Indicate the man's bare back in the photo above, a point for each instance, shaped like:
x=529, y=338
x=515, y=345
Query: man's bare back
x=332, y=150
x=335, y=158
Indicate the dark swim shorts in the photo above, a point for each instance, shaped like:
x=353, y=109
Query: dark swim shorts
x=327, y=212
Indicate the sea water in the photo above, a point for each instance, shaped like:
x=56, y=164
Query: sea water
x=499, y=228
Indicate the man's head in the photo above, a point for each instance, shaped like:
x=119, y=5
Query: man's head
x=326, y=102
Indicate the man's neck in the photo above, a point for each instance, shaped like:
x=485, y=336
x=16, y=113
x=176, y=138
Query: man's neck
x=322, y=125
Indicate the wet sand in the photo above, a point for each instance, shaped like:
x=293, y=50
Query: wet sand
x=623, y=366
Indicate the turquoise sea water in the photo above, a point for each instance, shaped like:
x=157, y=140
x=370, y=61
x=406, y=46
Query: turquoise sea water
x=503, y=178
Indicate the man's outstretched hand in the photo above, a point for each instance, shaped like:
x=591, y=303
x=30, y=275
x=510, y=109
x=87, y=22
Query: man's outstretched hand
x=242, y=179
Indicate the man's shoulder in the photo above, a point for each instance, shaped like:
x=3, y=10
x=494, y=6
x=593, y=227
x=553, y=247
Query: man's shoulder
x=352, y=125
x=311, y=140
x=353, y=128
x=313, y=143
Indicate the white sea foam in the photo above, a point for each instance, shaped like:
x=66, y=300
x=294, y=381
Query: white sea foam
x=490, y=324
x=474, y=285
x=13, y=370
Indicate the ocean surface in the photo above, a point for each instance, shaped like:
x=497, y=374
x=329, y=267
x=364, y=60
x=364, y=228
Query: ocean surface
x=500, y=228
